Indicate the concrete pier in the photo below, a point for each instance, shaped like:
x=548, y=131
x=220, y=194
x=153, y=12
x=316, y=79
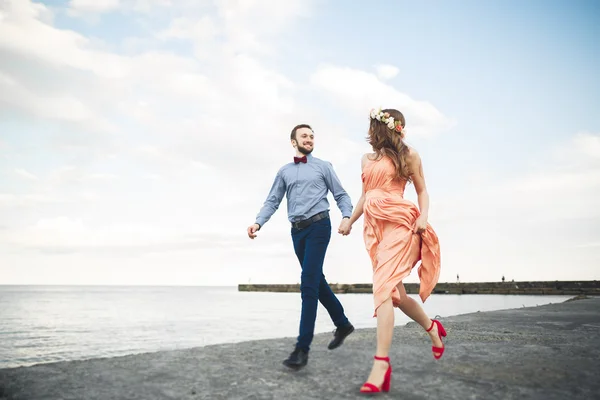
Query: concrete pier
x=547, y=352
x=530, y=288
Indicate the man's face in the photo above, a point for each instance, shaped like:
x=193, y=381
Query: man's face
x=305, y=140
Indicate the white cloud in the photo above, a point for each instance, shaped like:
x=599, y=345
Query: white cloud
x=70, y=173
x=359, y=91
x=198, y=30
x=7, y=81
x=528, y=225
x=62, y=107
x=25, y=174
x=26, y=32
x=162, y=91
x=67, y=235
x=95, y=6
x=588, y=145
x=561, y=188
x=11, y=201
x=591, y=244
x=386, y=71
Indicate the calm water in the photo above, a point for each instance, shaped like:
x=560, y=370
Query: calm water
x=55, y=323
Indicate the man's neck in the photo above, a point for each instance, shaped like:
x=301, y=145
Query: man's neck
x=300, y=154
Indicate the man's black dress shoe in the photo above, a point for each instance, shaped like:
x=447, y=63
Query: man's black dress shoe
x=339, y=336
x=296, y=360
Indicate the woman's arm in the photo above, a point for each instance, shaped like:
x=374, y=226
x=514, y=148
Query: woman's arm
x=346, y=226
x=358, y=210
x=416, y=167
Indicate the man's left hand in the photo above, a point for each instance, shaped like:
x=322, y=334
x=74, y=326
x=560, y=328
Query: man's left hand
x=345, y=227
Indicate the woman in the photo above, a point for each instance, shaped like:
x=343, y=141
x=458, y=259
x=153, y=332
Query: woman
x=397, y=236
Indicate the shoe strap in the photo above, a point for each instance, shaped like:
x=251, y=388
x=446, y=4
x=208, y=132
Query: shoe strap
x=382, y=358
x=433, y=321
x=372, y=388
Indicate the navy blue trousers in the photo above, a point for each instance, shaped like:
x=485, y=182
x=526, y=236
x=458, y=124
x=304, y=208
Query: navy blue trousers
x=310, y=245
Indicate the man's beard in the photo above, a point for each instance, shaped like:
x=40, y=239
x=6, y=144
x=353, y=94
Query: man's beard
x=304, y=150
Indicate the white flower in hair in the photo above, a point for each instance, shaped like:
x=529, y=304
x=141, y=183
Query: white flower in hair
x=390, y=123
x=388, y=120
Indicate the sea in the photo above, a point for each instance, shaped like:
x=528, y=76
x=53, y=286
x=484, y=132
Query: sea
x=43, y=324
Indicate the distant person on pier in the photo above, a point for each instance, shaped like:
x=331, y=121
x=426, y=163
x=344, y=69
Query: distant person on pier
x=306, y=182
x=397, y=236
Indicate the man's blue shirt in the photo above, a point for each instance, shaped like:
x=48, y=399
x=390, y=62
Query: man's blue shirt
x=306, y=186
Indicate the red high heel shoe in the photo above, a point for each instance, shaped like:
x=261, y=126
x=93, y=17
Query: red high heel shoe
x=441, y=333
x=387, y=380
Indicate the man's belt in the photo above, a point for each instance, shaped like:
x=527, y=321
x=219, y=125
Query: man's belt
x=306, y=222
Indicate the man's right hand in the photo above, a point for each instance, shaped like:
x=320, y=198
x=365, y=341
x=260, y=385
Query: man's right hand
x=252, y=229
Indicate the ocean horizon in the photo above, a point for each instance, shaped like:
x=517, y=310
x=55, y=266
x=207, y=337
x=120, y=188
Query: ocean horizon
x=49, y=323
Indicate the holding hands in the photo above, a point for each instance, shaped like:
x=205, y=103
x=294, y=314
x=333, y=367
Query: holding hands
x=345, y=227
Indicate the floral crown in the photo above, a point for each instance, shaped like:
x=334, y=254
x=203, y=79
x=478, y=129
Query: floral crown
x=387, y=119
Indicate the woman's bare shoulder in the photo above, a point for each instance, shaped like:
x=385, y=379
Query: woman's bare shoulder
x=366, y=158
x=413, y=156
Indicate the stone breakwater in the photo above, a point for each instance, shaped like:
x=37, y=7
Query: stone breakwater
x=532, y=288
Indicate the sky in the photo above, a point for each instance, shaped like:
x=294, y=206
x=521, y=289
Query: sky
x=139, y=138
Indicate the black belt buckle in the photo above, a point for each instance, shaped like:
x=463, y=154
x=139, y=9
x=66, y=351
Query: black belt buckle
x=305, y=223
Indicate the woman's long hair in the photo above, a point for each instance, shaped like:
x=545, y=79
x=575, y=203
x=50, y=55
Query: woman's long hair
x=388, y=142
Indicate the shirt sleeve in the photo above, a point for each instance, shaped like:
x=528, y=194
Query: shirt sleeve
x=342, y=198
x=273, y=200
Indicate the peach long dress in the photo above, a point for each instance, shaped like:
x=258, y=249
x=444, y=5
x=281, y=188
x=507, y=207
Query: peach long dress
x=392, y=246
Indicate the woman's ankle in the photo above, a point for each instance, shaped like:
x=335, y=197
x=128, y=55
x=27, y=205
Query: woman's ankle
x=431, y=326
x=381, y=364
x=381, y=356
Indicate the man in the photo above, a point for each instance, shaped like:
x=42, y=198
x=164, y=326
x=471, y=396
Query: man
x=306, y=182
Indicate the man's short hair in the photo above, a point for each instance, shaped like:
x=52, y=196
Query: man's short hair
x=293, y=134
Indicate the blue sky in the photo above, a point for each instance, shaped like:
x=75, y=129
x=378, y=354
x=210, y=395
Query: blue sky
x=138, y=138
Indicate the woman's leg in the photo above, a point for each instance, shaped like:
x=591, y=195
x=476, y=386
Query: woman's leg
x=385, y=331
x=414, y=311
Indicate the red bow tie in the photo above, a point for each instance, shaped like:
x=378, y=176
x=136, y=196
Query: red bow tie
x=300, y=159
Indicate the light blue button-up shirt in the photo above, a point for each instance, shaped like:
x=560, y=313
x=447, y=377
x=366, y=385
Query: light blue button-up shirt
x=306, y=186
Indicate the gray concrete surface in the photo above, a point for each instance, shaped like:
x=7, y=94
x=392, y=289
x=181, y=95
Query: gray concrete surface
x=547, y=352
